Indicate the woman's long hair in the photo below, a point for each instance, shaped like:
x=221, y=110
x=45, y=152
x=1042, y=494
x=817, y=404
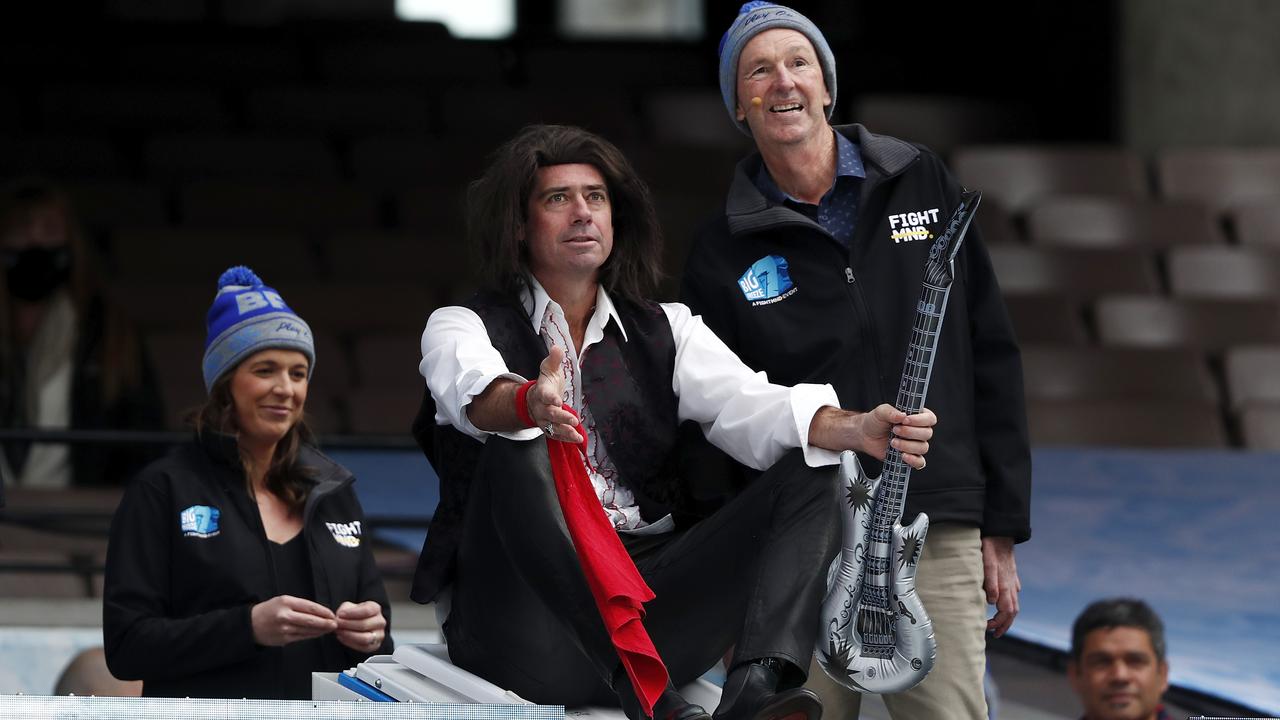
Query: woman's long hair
x=286, y=477
x=497, y=209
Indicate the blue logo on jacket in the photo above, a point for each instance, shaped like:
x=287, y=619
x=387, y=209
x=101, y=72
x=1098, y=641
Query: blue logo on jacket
x=200, y=521
x=767, y=280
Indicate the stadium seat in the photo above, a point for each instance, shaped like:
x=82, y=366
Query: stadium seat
x=1126, y=423
x=349, y=308
x=12, y=109
x=1207, y=325
x=176, y=357
x=342, y=111
x=219, y=61
x=444, y=268
x=1047, y=319
x=1080, y=273
x=200, y=256
x=91, y=109
x=1224, y=272
x=435, y=58
x=107, y=205
x=996, y=224
x=1222, y=178
x=695, y=170
x=260, y=159
x=1021, y=175
x=1076, y=373
x=1253, y=375
x=943, y=122
x=694, y=117
x=1260, y=427
x=628, y=66
x=71, y=157
x=1112, y=222
x=167, y=304
x=399, y=161
x=284, y=206
x=40, y=574
x=389, y=361
x=383, y=411
x=436, y=213
x=1258, y=225
x=609, y=111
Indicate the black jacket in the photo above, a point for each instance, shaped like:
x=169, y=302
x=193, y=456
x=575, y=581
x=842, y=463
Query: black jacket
x=848, y=316
x=178, y=595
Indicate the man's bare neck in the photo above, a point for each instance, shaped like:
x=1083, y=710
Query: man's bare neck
x=805, y=171
x=577, y=299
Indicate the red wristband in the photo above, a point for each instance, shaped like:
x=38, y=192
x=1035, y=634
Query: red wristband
x=522, y=404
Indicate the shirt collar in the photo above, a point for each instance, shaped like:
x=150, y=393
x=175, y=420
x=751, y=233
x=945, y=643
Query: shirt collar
x=535, y=299
x=848, y=164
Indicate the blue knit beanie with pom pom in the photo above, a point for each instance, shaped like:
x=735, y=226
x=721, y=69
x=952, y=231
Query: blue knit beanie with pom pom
x=247, y=316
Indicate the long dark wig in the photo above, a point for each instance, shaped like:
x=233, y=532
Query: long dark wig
x=497, y=209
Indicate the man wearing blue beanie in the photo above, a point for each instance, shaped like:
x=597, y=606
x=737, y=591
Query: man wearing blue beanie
x=812, y=273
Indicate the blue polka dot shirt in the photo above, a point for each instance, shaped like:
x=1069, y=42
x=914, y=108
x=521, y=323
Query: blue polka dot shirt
x=838, y=209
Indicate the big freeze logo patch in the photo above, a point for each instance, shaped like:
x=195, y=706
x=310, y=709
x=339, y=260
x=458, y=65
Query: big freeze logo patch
x=767, y=281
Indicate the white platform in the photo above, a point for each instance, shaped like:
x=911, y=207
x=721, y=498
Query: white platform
x=423, y=674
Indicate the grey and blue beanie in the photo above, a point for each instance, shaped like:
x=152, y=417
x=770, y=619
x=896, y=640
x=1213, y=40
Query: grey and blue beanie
x=754, y=18
x=247, y=316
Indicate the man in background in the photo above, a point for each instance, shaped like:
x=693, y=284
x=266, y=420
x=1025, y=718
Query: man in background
x=1118, y=665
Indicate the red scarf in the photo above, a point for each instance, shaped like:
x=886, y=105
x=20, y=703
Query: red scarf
x=613, y=578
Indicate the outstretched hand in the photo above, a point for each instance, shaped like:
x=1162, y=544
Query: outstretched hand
x=546, y=397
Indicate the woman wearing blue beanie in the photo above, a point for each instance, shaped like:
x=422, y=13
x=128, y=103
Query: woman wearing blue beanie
x=238, y=565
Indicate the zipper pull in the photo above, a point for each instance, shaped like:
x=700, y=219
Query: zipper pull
x=848, y=275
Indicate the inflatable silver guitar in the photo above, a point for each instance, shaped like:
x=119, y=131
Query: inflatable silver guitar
x=876, y=636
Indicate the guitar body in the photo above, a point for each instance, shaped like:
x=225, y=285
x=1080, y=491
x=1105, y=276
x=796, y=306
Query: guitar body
x=840, y=648
x=875, y=635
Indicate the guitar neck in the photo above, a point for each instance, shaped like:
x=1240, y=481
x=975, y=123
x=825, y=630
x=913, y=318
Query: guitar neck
x=938, y=275
x=911, y=396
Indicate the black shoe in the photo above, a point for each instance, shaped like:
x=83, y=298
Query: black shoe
x=751, y=693
x=670, y=705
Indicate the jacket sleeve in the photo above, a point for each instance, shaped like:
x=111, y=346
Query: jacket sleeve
x=142, y=638
x=1000, y=408
x=371, y=588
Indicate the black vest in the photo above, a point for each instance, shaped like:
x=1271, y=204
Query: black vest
x=627, y=383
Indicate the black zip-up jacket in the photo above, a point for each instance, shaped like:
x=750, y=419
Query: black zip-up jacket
x=847, y=318
x=179, y=589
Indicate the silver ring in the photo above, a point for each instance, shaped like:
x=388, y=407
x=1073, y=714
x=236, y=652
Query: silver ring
x=548, y=428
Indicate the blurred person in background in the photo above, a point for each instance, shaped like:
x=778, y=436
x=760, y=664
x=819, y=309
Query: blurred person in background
x=87, y=675
x=68, y=357
x=240, y=564
x=1118, y=665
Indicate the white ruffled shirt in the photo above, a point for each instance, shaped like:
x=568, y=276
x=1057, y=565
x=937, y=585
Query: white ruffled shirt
x=739, y=410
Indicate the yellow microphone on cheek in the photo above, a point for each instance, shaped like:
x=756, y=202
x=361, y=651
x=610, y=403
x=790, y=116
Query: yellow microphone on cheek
x=757, y=101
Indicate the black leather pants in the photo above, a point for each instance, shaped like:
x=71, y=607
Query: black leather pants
x=752, y=576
